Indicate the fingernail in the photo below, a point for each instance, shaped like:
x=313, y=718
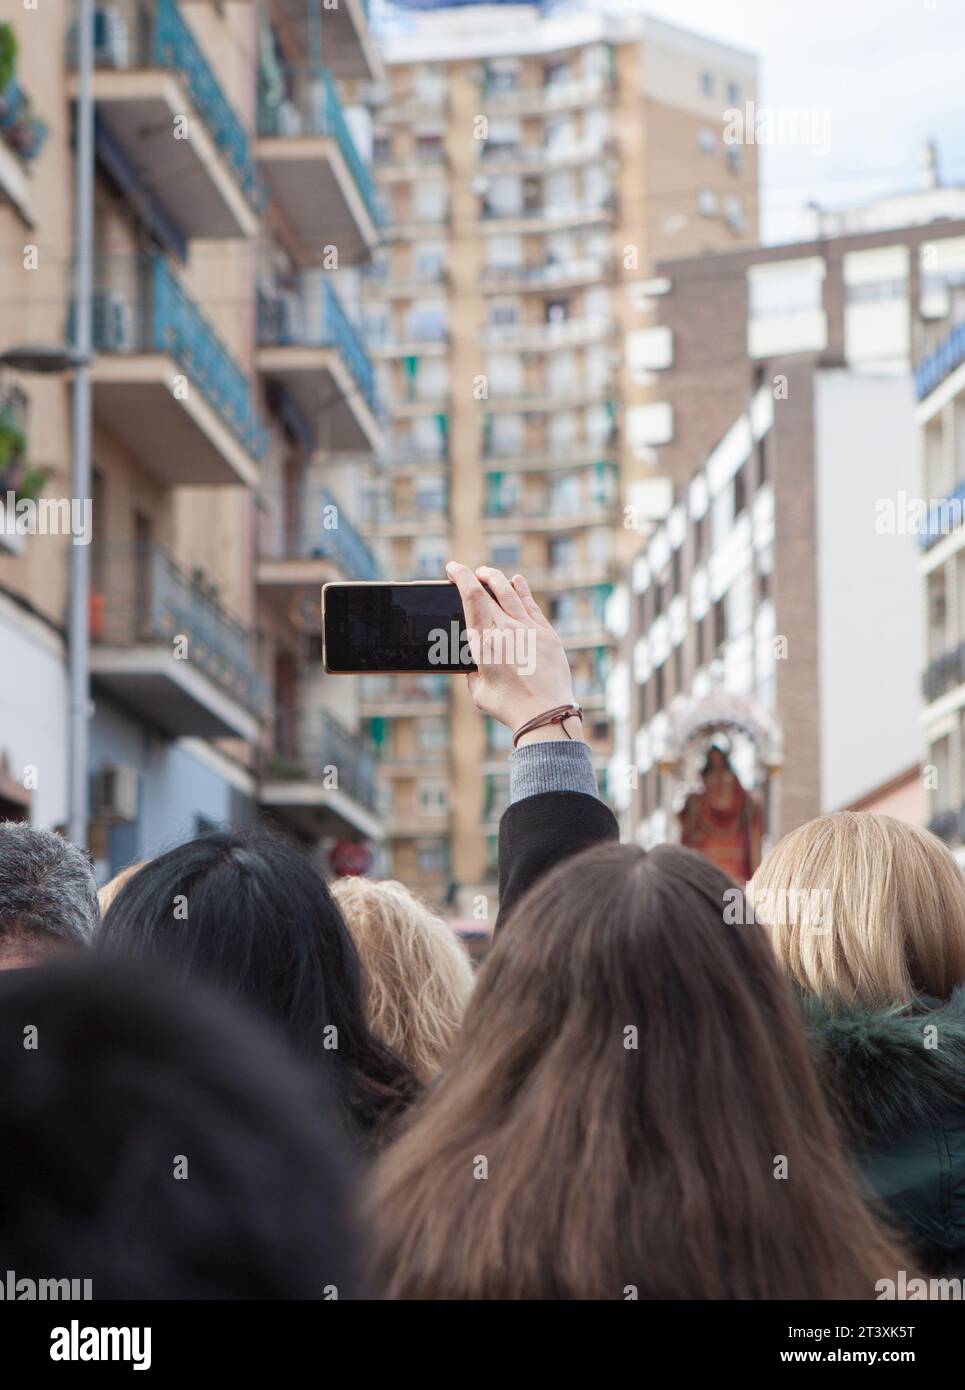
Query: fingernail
x=450, y=566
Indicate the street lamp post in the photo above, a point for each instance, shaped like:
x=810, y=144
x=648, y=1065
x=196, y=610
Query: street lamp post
x=78, y=628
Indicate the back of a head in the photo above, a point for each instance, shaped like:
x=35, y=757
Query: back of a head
x=157, y=1141
x=630, y=1072
x=48, y=898
x=251, y=915
x=864, y=909
x=417, y=975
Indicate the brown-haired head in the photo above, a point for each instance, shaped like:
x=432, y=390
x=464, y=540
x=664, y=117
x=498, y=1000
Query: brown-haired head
x=631, y=1103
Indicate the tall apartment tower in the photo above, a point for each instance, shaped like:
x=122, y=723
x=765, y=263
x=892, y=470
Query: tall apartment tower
x=534, y=165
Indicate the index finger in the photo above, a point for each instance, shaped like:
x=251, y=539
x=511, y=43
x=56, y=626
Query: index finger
x=479, y=608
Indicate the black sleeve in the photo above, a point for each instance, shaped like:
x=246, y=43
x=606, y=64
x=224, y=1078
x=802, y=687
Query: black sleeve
x=537, y=833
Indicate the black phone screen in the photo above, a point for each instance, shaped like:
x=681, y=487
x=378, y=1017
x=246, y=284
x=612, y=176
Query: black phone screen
x=394, y=627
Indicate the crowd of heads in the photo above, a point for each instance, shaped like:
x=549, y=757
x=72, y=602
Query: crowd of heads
x=231, y=1079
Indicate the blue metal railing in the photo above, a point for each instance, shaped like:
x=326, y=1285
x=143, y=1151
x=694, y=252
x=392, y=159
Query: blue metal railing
x=944, y=518
x=331, y=535
x=161, y=317
x=154, y=34
x=942, y=674
x=312, y=316
x=353, y=762
x=317, y=110
x=148, y=597
x=941, y=363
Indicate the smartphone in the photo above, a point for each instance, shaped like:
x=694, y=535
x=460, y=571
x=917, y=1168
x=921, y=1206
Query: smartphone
x=373, y=627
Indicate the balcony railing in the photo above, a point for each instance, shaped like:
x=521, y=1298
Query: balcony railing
x=311, y=315
x=330, y=745
x=941, y=363
x=143, y=596
x=149, y=311
x=411, y=689
x=550, y=275
x=944, y=518
x=312, y=107
x=155, y=34
x=320, y=529
x=944, y=673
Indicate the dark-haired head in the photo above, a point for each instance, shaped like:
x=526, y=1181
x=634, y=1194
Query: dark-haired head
x=632, y=1069
x=161, y=1143
x=253, y=916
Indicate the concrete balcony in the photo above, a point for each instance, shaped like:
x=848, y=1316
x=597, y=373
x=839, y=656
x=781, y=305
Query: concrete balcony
x=328, y=787
x=147, y=333
x=350, y=49
x=546, y=217
x=563, y=95
x=312, y=165
x=553, y=275
x=307, y=342
x=151, y=73
x=543, y=337
x=164, y=647
x=399, y=697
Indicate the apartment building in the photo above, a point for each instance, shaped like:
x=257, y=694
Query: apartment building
x=940, y=389
x=233, y=403
x=782, y=571
x=534, y=166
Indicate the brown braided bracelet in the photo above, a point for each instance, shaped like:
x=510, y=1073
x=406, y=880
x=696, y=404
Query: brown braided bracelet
x=559, y=715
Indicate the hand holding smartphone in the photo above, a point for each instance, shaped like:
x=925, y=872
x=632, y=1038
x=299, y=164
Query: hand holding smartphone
x=479, y=624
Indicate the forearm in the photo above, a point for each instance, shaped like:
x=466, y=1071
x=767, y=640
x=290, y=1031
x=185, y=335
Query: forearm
x=555, y=812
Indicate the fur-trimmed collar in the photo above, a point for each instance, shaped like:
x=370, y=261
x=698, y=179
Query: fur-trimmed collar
x=884, y=1074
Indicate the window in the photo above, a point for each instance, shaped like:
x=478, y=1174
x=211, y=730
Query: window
x=678, y=669
x=505, y=555
x=432, y=856
x=707, y=84
x=720, y=624
x=504, y=252
x=429, y=149
x=707, y=202
x=733, y=93
x=740, y=490
x=432, y=735
x=734, y=213
x=433, y=798
x=429, y=200
x=700, y=537
x=706, y=139
x=381, y=149
x=562, y=552
x=659, y=691
x=735, y=159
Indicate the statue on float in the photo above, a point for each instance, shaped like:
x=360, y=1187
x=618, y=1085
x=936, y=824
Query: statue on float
x=720, y=814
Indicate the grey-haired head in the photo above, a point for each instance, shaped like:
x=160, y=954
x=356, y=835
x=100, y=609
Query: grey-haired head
x=48, y=897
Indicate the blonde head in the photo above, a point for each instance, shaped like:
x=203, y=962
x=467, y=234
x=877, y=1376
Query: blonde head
x=418, y=978
x=107, y=894
x=864, y=908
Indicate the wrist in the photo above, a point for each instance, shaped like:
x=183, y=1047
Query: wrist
x=569, y=731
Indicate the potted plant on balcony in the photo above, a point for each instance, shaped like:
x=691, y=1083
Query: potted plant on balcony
x=8, y=55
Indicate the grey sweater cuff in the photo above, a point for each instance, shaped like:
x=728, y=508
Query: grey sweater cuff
x=551, y=766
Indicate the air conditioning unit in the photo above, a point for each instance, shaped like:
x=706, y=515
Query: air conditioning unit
x=113, y=322
x=116, y=794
